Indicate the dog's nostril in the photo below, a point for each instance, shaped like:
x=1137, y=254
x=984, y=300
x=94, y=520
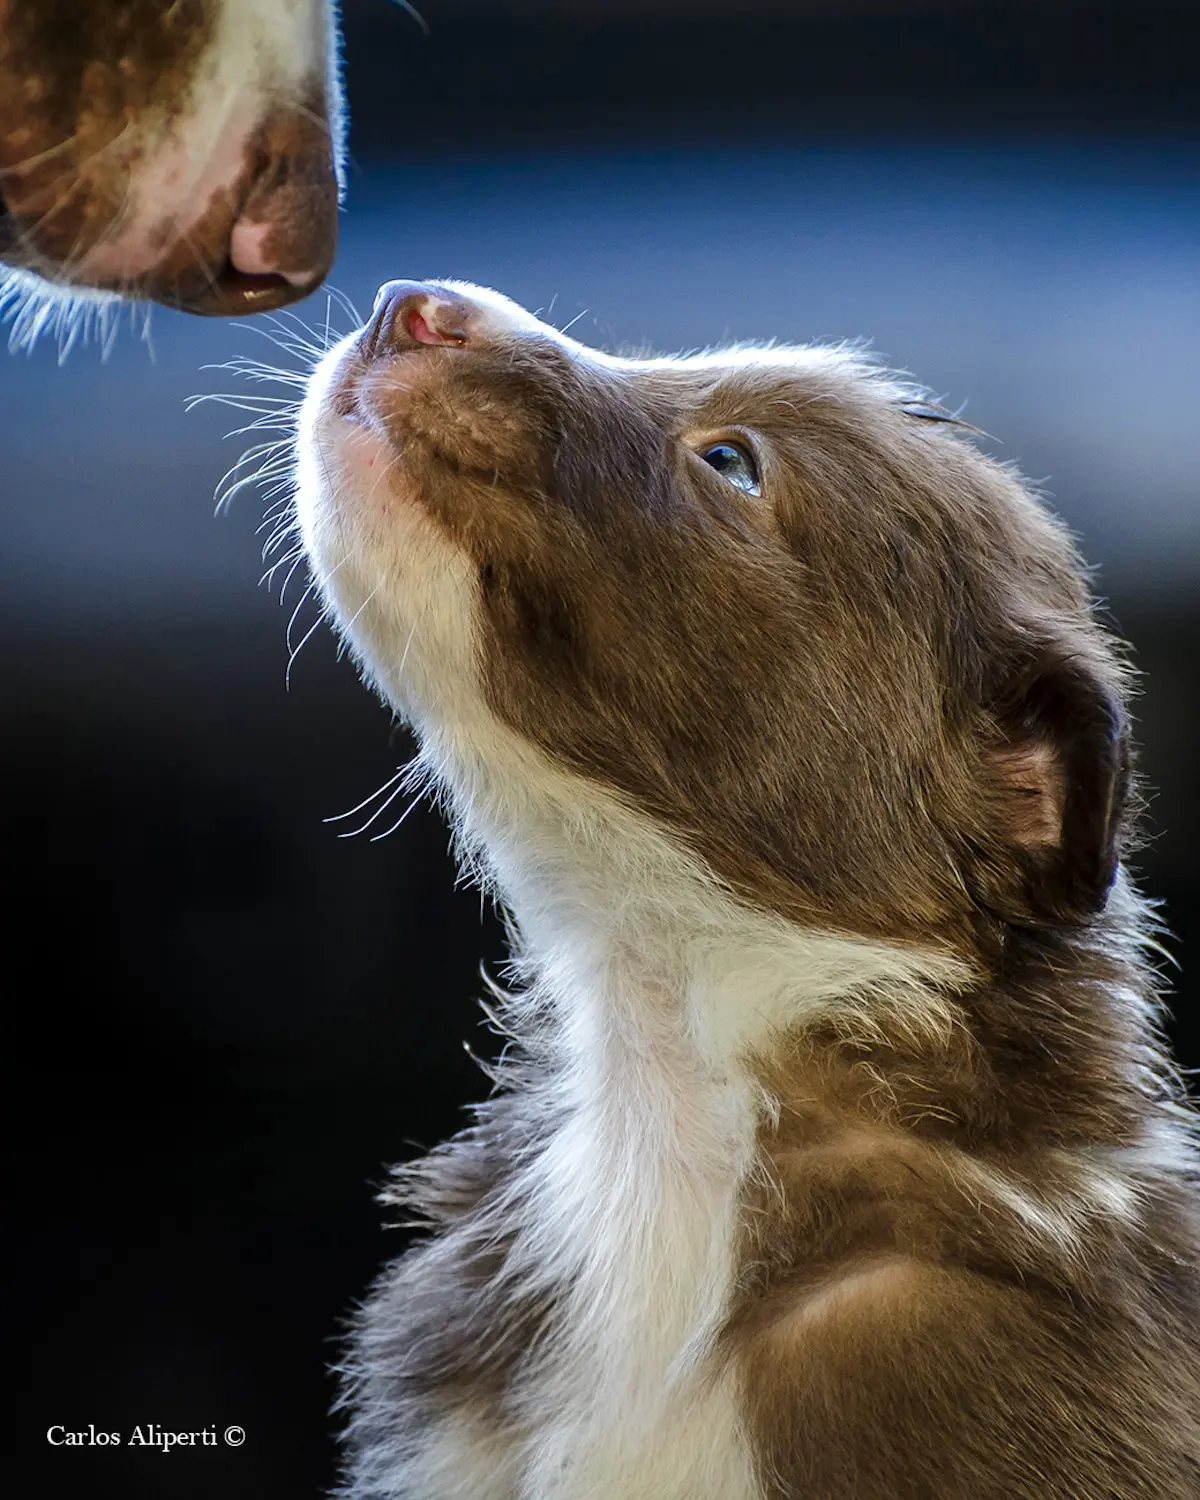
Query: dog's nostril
x=420, y=329
x=408, y=313
x=442, y=330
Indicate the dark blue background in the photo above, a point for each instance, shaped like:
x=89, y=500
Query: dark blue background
x=222, y=1021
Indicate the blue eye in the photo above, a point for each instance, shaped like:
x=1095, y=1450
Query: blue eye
x=733, y=463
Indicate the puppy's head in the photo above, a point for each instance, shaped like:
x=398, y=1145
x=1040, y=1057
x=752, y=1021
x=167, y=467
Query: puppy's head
x=183, y=151
x=766, y=598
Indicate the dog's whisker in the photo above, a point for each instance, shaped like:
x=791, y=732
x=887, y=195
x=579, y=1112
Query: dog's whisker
x=366, y=801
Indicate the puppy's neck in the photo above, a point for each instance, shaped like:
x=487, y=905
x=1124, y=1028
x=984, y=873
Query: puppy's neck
x=629, y=941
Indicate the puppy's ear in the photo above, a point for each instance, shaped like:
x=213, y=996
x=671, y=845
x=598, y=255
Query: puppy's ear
x=1059, y=782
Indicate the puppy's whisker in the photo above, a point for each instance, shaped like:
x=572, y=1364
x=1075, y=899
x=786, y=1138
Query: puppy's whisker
x=353, y=833
x=571, y=324
x=294, y=651
x=401, y=772
x=347, y=304
x=288, y=560
x=297, y=559
x=310, y=338
x=387, y=832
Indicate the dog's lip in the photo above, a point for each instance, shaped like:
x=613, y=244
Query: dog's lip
x=232, y=292
x=220, y=293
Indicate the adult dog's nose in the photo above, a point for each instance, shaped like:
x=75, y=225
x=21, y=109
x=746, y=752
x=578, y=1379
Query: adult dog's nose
x=282, y=240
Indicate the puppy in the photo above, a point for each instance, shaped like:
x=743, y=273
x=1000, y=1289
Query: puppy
x=834, y=1152
x=184, y=151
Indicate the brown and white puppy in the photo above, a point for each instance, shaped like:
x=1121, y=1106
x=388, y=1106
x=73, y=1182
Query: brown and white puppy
x=182, y=151
x=835, y=1153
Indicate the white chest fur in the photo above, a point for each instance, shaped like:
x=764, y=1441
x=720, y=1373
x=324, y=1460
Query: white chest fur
x=648, y=988
x=634, y=1207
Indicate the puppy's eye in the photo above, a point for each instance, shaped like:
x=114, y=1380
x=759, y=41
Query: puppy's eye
x=734, y=463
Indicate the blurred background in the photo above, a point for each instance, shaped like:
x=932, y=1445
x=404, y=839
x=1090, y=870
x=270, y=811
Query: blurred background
x=223, y=1021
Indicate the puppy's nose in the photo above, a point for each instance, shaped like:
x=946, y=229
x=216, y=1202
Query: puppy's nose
x=408, y=313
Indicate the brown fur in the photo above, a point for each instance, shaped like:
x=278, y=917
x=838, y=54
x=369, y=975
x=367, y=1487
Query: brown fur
x=1033, y=1367
x=90, y=90
x=876, y=701
x=73, y=77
